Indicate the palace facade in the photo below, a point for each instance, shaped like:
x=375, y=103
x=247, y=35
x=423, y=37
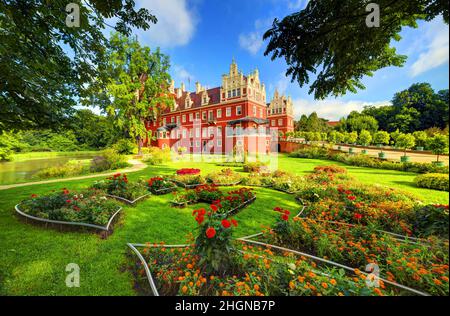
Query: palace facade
x=235, y=116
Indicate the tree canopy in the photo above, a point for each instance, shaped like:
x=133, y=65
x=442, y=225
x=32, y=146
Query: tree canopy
x=47, y=67
x=330, y=40
x=137, y=89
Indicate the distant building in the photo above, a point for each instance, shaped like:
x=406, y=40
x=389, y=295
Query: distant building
x=234, y=116
x=332, y=123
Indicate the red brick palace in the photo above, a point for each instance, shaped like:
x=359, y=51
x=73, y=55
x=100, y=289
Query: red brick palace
x=234, y=116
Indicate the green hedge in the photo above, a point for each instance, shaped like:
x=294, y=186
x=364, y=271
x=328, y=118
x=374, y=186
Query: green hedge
x=436, y=181
x=360, y=160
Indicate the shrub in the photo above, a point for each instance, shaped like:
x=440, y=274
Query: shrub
x=330, y=169
x=256, y=166
x=436, y=181
x=381, y=137
x=124, y=146
x=109, y=159
x=432, y=220
x=421, y=138
x=364, y=137
x=405, y=141
x=157, y=156
x=71, y=168
x=438, y=144
x=313, y=152
x=225, y=176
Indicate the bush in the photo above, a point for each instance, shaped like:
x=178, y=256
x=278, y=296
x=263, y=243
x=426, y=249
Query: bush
x=108, y=160
x=124, y=146
x=157, y=156
x=256, y=166
x=432, y=220
x=71, y=168
x=311, y=153
x=436, y=181
x=330, y=169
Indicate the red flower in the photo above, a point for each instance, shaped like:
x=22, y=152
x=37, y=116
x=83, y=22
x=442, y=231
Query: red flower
x=348, y=192
x=351, y=197
x=214, y=207
x=210, y=232
x=285, y=217
x=33, y=195
x=234, y=222
x=357, y=216
x=277, y=209
x=69, y=201
x=226, y=223
x=287, y=212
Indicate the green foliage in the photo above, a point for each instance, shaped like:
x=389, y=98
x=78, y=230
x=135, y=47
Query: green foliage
x=311, y=123
x=438, y=144
x=359, y=122
x=124, y=146
x=7, y=145
x=109, y=159
x=436, y=181
x=137, y=88
x=316, y=41
x=432, y=220
x=71, y=168
x=421, y=138
x=350, y=138
x=405, y=141
x=157, y=156
x=364, y=138
x=47, y=66
x=381, y=137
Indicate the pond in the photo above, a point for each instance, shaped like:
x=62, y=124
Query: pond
x=24, y=170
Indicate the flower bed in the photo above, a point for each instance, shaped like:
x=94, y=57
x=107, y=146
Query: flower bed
x=224, y=204
x=423, y=267
x=225, y=177
x=188, y=171
x=119, y=188
x=214, y=265
x=189, y=181
x=159, y=186
x=88, y=208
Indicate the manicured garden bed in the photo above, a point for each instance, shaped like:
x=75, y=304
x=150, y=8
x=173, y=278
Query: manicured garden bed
x=84, y=209
x=160, y=186
x=119, y=188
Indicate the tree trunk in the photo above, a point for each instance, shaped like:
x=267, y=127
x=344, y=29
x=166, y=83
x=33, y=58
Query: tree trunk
x=139, y=142
x=438, y=157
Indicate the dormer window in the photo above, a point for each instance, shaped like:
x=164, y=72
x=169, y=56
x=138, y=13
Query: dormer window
x=205, y=98
x=188, y=102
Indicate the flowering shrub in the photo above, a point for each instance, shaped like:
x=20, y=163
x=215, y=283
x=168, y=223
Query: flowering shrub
x=118, y=185
x=288, y=183
x=224, y=177
x=420, y=266
x=431, y=220
x=330, y=169
x=213, y=242
x=234, y=200
x=208, y=193
x=183, y=198
x=256, y=167
x=188, y=171
x=258, y=271
x=188, y=179
x=159, y=185
x=90, y=207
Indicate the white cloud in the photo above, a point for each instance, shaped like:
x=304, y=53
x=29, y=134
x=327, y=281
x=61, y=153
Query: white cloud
x=180, y=74
x=176, y=22
x=331, y=109
x=436, y=44
x=252, y=41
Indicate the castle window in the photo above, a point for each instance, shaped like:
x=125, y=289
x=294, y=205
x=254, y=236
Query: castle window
x=280, y=122
x=238, y=110
x=219, y=131
x=211, y=116
x=204, y=115
x=219, y=113
x=197, y=115
x=172, y=119
x=228, y=112
x=183, y=118
x=234, y=92
x=229, y=93
x=191, y=117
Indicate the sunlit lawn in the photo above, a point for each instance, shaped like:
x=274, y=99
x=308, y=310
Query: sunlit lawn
x=34, y=258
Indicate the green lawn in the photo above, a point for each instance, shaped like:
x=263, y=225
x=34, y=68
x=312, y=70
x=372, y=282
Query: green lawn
x=33, y=258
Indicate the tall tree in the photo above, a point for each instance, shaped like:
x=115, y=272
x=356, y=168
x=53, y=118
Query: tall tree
x=138, y=86
x=46, y=66
x=330, y=39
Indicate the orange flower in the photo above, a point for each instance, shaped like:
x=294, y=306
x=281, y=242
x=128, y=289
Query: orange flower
x=324, y=285
x=184, y=289
x=291, y=285
x=189, y=266
x=437, y=282
x=333, y=281
x=256, y=287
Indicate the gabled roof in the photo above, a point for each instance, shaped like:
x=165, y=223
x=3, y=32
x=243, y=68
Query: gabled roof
x=196, y=98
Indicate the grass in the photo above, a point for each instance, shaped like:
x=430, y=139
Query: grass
x=34, y=258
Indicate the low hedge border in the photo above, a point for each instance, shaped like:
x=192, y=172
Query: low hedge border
x=435, y=181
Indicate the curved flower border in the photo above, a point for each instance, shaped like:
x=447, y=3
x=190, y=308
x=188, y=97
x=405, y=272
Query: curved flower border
x=104, y=228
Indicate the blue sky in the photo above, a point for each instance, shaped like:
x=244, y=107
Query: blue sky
x=202, y=37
